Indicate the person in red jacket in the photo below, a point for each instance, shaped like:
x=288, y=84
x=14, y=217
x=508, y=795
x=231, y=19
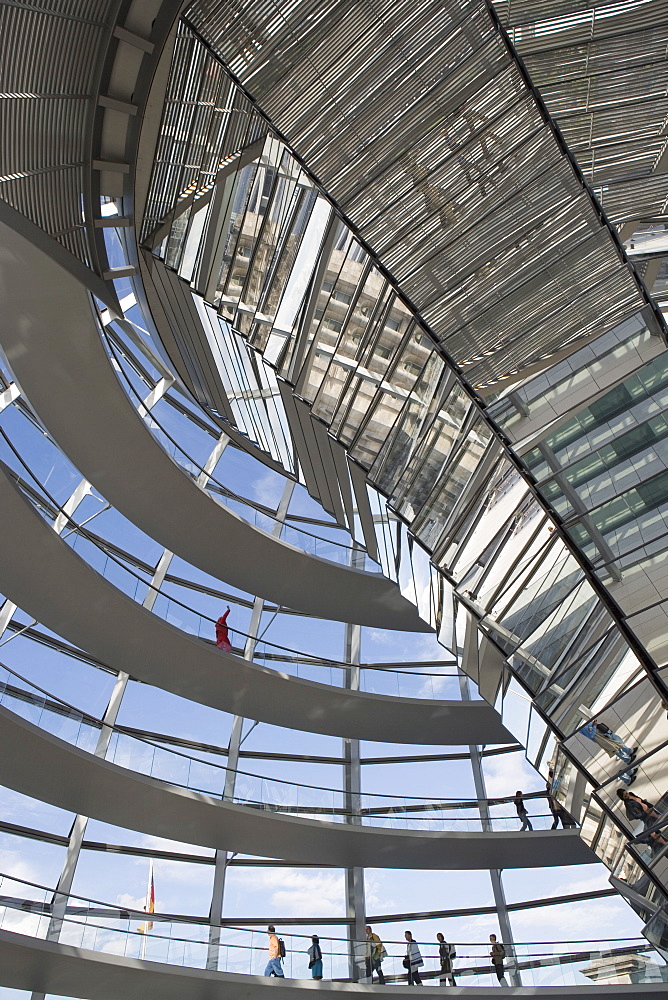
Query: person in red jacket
x=222, y=633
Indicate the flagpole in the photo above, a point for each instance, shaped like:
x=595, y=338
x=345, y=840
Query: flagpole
x=142, y=952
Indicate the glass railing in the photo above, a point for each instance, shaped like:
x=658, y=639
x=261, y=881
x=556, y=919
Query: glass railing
x=324, y=548
x=36, y=911
x=256, y=791
x=416, y=683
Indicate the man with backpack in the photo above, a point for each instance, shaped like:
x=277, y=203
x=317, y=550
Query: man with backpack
x=276, y=954
x=497, y=954
x=374, y=953
x=447, y=953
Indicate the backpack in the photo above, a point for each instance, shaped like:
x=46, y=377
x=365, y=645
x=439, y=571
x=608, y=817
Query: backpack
x=281, y=948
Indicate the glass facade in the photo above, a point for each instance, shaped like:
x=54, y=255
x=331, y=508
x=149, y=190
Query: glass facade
x=401, y=338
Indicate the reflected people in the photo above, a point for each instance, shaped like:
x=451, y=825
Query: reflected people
x=559, y=813
x=604, y=737
x=637, y=808
x=522, y=811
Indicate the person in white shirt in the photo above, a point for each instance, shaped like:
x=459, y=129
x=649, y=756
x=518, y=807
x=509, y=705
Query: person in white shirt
x=413, y=960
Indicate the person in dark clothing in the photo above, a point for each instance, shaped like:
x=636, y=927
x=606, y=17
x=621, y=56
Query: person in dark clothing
x=655, y=840
x=413, y=960
x=521, y=811
x=497, y=954
x=446, y=954
x=315, y=958
x=637, y=808
x=222, y=632
x=553, y=805
x=567, y=820
x=559, y=814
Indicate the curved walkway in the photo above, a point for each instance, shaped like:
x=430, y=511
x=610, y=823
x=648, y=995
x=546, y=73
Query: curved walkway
x=52, y=343
x=36, y=763
x=45, y=577
x=31, y=964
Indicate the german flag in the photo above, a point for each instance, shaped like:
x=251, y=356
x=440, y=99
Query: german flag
x=149, y=905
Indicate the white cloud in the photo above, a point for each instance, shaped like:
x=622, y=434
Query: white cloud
x=578, y=918
x=598, y=881
x=162, y=844
x=264, y=488
x=124, y=899
x=295, y=893
x=508, y=772
x=18, y=868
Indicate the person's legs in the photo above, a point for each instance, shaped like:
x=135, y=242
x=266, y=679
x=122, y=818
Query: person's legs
x=379, y=973
x=416, y=978
x=526, y=822
x=274, y=967
x=316, y=971
x=369, y=969
x=555, y=824
x=627, y=751
x=500, y=973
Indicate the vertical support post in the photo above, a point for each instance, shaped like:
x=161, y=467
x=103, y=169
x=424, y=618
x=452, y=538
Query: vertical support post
x=355, y=895
x=223, y=857
x=470, y=649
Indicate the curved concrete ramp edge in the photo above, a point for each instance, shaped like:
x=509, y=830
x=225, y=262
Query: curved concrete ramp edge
x=41, y=765
x=46, y=967
x=52, y=344
x=47, y=579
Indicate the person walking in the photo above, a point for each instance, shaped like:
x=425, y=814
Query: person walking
x=655, y=840
x=315, y=957
x=413, y=960
x=274, y=967
x=604, y=737
x=554, y=807
x=447, y=954
x=497, y=954
x=223, y=633
x=559, y=814
x=522, y=812
x=374, y=953
x=637, y=808
x=604, y=732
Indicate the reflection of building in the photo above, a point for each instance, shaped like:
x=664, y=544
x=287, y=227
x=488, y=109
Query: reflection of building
x=616, y=970
x=578, y=611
